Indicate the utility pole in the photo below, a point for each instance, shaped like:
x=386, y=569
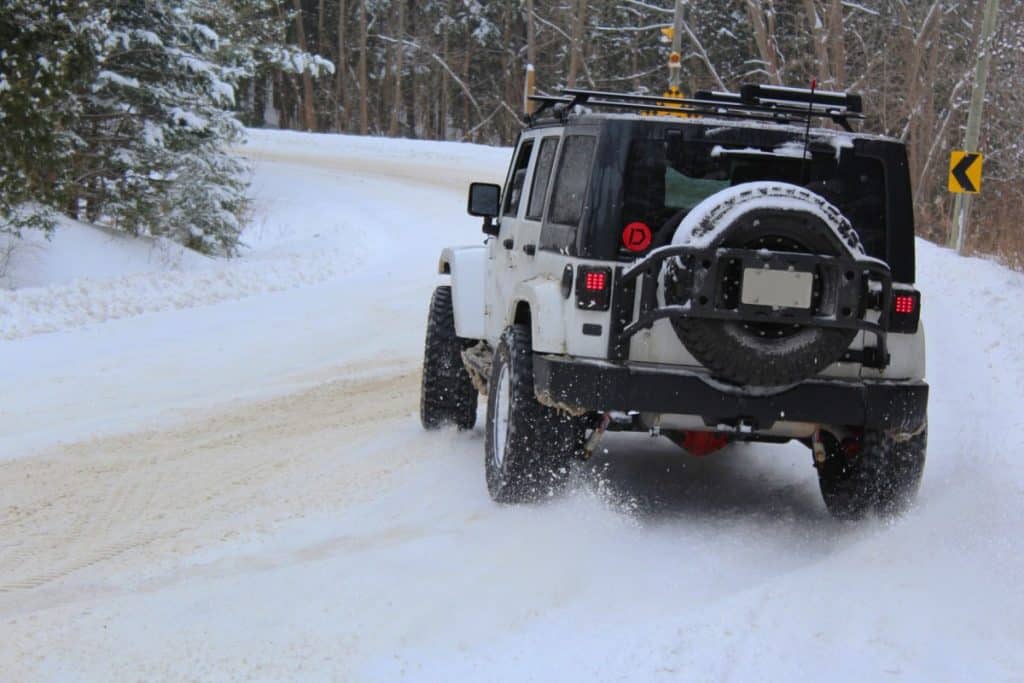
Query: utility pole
x=962, y=203
x=675, y=66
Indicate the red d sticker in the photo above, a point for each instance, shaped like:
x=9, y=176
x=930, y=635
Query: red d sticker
x=637, y=236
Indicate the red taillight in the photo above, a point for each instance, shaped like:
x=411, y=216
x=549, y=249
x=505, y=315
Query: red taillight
x=596, y=281
x=904, y=305
x=593, y=288
x=905, y=312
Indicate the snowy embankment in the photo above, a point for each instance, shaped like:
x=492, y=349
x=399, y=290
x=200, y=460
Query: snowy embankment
x=240, y=489
x=305, y=229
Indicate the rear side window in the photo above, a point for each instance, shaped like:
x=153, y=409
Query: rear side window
x=541, y=177
x=514, y=191
x=573, y=177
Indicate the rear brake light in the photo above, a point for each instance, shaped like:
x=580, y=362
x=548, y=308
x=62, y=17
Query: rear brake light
x=595, y=281
x=904, y=305
x=593, y=288
x=906, y=311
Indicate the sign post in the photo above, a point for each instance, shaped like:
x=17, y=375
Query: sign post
x=962, y=204
x=675, y=66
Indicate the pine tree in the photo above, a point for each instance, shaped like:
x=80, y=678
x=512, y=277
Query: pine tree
x=158, y=127
x=255, y=35
x=48, y=52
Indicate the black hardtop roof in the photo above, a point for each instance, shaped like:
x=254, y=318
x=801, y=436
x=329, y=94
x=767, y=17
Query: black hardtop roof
x=588, y=118
x=755, y=107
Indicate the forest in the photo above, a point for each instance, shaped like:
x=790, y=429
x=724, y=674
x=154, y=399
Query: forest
x=125, y=112
x=455, y=70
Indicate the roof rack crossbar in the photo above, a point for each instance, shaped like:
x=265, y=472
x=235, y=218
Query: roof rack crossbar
x=562, y=107
x=823, y=107
x=704, y=98
x=766, y=104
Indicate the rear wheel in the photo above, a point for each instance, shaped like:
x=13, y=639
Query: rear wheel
x=447, y=395
x=529, y=447
x=882, y=476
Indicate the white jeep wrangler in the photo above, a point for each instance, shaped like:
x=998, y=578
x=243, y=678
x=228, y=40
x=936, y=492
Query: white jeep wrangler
x=733, y=275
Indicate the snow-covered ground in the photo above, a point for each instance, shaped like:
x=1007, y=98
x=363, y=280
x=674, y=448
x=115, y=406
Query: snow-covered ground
x=214, y=471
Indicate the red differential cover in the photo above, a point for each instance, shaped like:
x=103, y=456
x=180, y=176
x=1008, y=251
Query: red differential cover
x=703, y=443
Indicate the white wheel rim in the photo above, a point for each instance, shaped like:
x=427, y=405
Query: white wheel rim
x=501, y=415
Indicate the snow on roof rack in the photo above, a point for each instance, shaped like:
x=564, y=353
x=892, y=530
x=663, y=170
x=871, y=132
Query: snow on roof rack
x=754, y=102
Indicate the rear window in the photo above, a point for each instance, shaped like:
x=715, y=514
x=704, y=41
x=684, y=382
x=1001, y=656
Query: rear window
x=571, y=182
x=664, y=179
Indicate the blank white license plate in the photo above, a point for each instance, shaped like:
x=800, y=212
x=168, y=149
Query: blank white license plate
x=780, y=288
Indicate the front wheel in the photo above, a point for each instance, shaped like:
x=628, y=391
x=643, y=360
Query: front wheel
x=883, y=475
x=447, y=395
x=529, y=447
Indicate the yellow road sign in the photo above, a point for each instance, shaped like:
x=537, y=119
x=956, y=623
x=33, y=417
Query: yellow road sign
x=668, y=32
x=965, y=172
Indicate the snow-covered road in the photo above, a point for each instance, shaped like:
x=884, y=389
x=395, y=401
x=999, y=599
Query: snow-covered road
x=231, y=483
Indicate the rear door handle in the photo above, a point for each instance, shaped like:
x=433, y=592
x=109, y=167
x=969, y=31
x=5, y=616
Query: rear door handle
x=529, y=249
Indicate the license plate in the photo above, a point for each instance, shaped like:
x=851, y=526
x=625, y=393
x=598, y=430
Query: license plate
x=778, y=288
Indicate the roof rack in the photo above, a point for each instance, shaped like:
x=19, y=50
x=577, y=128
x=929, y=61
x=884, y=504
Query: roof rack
x=775, y=104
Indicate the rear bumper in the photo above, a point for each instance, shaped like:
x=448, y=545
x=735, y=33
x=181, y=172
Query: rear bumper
x=601, y=385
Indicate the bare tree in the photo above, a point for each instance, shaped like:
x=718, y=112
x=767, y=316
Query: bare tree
x=364, y=88
x=341, y=91
x=308, y=102
x=396, y=71
x=579, y=11
x=762, y=20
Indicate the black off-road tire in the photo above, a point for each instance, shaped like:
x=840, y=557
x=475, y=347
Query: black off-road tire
x=746, y=354
x=882, y=478
x=447, y=395
x=540, y=443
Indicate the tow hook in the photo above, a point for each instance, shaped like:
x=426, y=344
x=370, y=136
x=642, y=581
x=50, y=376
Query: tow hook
x=595, y=436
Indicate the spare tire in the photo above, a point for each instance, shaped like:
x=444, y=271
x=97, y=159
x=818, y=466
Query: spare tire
x=778, y=217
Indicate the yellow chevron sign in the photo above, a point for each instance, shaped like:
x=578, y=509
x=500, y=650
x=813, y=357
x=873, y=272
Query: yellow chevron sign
x=965, y=172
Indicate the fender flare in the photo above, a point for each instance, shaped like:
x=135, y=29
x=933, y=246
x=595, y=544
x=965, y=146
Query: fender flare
x=467, y=267
x=547, y=320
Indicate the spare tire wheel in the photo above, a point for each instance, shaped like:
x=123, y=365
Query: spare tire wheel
x=777, y=217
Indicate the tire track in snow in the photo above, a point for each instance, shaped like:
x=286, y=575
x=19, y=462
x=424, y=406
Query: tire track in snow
x=146, y=497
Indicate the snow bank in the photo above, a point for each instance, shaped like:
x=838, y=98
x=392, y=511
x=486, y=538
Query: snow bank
x=76, y=250
x=91, y=300
x=302, y=232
